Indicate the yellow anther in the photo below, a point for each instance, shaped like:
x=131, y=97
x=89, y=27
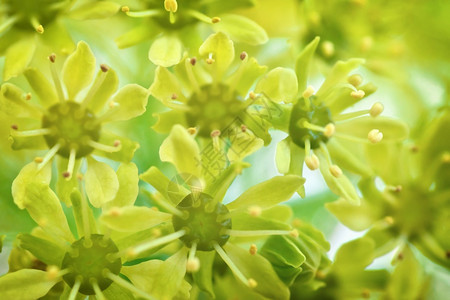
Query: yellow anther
x=253, y=249
x=320, y=275
x=209, y=60
x=312, y=162
x=296, y=223
x=294, y=233
x=389, y=220
x=335, y=171
x=115, y=212
x=255, y=210
x=328, y=48
x=308, y=92
x=125, y=9
x=330, y=129
x=376, y=109
x=215, y=20
x=252, y=283
x=40, y=29
x=192, y=130
x=52, y=272
x=193, y=265
x=38, y=160
x=375, y=136
x=215, y=133
x=171, y=5
x=355, y=80
x=359, y=94
x=156, y=232
x=366, y=43
x=27, y=96
x=252, y=95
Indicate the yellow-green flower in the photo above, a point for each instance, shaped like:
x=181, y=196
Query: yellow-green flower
x=70, y=122
x=174, y=26
x=318, y=126
x=198, y=221
x=26, y=25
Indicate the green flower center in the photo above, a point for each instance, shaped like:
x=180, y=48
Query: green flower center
x=207, y=222
x=72, y=127
x=88, y=263
x=317, y=115
x=182, y=19
x=214, y=108
x=43, y=11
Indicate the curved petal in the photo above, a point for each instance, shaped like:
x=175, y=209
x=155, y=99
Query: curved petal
x=129, y=102
x=303, y=63
x=18, y=56
x=41, y=86
x=221, y=48
x=133, y=218
x=165, y=85
x=241, y=29
x=279, y=85
x=94, y=10
x=166, y=51
x=127, y=147
x=26, y=284
x=101, y=182
x=128, y=177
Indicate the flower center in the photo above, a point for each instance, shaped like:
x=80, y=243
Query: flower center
x=43, y=11
x=317, y=115
x=87, y=263
x=72, y=127
x=214, y=108
x=206, y=223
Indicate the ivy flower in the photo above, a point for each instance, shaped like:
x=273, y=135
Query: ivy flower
x=69, y=122
x=173, y=26
x=198, y=221
x=27, y=23
x=317, y=126
x=206, y=99
x=414, y=206
x=87, y=263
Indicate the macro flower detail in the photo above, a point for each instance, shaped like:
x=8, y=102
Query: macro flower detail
x=72, y=122
x=173, y=26
x=29, y=24
x=316, y=123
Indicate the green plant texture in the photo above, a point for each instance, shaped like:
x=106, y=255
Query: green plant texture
x=212, y=149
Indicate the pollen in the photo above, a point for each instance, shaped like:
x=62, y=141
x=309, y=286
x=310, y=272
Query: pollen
x=330, y=129
x=376, y=109
x=193, y=61
x=359, y=94
x=52, y=57
x=193, y=265
x=253, y=249
x=14, y=126
x=308, y=92
x=215, y=20
x=355, y=80
x=375, y=136
x=335, y=171
x=255, y=211
x=312, y=162
x=252, y=283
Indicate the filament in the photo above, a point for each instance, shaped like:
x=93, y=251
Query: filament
x=48, y=156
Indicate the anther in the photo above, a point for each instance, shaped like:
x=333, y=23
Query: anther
x=375, y=136
x=27, y=96
x=294, y=233
x=192, y=130
x=193, y=265
x=252, y=283
x=253, y=249
x=312, y=162
x=244, y=128
x=243, y=55
x=66, y=174
x=365, y=294
x=308, y=92
x=171, y=5
x=414, y=149
x=446, y=158
x=115, y=212
x=52, y=272
x=296, y=223
x=131, y=253
x=104, y=68
x=359, y=94
x=193, y=61
x=52, y=57
x=38, y=160
x=174, y=96
x=389, y=220
x=215, y=133
x=215, y=20
x=320, y=275
x=328, y=48
x=447, y=254
x=117, y=143
x=209, y=60
x=156, y=232
x=125, y=9
x=335, y=171
x=330, y=129
x=255, y=210
x=14, y=127
x=400, y=256
x=376, y=109
x=252, y=95
x=355, y=80
x=40, y=29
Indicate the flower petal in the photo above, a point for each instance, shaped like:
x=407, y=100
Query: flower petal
x=246, y=78
x=303, y=64
x=26, y=284
x=268, y=193
x=166, y=120
x=129, y=102
x=94, y=10
x=346, y=160
x=105, y=90
x=242, y=220
x=13, y=103
x=41, y=86
x=165, y=85
x=354, y=256
x=279, y=85
x=101, y=183
x=58, y=38
x=116, y=292
x=137, y=35
x=222, y=50
x=44, y=250
x=128, y=177
x=283, y=156
x=78, y=70
x=241, y=29
x=127, y=147
x=18, y=56
x=356, y=218
x=166, y=51
x=133, y=218
x=64, y=187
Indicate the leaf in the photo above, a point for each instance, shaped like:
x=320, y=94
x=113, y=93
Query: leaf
x=241, y=29
x=25, y=284
x=303, y=64
x=101, y=183
x=279, y=85
x=166, y=51
x=78, y=70
x=222, y=50
x=18, y=56
x=129, y=102
x=133, y=218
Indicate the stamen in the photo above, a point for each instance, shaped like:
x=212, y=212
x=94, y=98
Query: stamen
x=243, y=55
x=55, y=77
x=328, y=48
x=48, y=156
x=98, y=292
x=189, y=63
x=311, y=160
x=193, y=263
x=375, y=136
x=37, y=26
x=308, y=92
x=249, y=282
x=98, y=83
x=215, y=138
x=355, y=80
x=71, y=164
x=359, y=94
x=126, y=285
x=8, y=23
x=253, y=249
x=85, y=219
x=125, y=9
x=105, y=148
x=245, y=233
x=330, y=129
x=75, y=288
x=134, y=251
x=215, y=20
x=192, y=130
x=335, y=171
x=376, y=109
x=53, y=272
x=210, y=59
x=29, y=133
x=171, y=5
x=141, y=14
x=199, y=16
x=167, y=206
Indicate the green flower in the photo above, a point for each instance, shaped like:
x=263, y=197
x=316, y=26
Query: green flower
x=414, y=206
x=70, y=124
x=202, y=226
x=89, y=262
x=173, y=26
x=212, y=103
x=26, y=25
x=317, y=126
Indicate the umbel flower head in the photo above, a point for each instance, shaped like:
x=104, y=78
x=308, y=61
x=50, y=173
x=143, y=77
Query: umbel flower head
x=415, y=203
x=69, y=121
x=88, y=262
x=198, y=221
x=205, y=97
x=27, y=24
x=173, y=26
x=317, y=126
